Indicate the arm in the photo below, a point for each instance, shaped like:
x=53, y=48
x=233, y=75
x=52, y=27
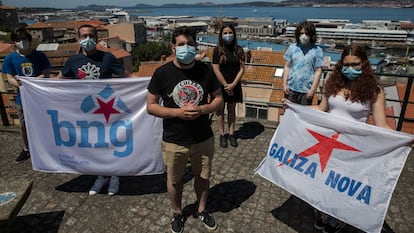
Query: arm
x=378, y=111
x=215, y=104
x=322, y=106
x=60, y=76
x=45, y=73
x=219, y=75
x=188, y=112
x=13, y=80
x=154, y=107
x=315, y=84
x=238, y=77
x=286, y=71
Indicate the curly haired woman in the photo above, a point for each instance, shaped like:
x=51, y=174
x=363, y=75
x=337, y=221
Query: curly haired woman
x=352, y=92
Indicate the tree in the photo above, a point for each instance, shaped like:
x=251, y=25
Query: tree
x=151, y=51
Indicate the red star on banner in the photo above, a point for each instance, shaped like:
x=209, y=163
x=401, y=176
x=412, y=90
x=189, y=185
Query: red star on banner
x=324, y=147
x=106, y=108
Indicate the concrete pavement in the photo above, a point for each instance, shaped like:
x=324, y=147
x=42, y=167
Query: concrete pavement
x=239, y=200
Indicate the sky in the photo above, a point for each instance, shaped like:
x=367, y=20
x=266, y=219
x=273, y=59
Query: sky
x=121, y=3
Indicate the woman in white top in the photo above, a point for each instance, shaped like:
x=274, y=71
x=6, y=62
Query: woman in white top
x=351, y=91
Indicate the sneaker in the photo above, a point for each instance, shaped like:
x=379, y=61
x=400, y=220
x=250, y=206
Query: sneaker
x=177, y=223
x=333, y=227
x=97, y=186
x=319, y=224
x=208, y=220
x=223, y=141
x=113, y=185
x=24, y=155
x=233, y=141
x=320, y=220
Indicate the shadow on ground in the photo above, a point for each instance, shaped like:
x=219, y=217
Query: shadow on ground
x=225, y=197
x=128, y=185
x=38, y=223
x=249, y=130
x=298, y=215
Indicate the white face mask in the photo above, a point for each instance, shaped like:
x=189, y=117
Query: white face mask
x=304, y=39
x=23, y=45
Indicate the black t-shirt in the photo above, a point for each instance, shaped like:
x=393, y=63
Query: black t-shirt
x=178, y=87
x=99, y=65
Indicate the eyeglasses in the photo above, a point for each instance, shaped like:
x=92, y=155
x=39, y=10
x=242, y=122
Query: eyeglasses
x=84, y=36
x=352, y=64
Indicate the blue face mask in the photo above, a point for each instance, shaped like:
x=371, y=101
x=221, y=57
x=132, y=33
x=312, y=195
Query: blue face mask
x=228, y=37
x=88, y=44
x=185, y=54
x=351, y=73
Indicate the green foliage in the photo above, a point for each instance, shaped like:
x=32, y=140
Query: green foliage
x=151, y=51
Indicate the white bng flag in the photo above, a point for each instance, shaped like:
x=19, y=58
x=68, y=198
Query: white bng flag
x=344, y=168
x=95, y=127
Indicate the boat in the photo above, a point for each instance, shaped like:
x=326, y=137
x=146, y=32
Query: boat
x=374, y=45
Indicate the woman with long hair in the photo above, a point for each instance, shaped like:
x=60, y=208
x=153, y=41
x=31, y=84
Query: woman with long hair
x=352, y=91
x=228, y=66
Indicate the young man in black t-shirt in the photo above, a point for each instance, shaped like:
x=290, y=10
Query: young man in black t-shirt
x=184, y=85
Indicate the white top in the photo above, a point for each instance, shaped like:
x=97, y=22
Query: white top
x=348, y=109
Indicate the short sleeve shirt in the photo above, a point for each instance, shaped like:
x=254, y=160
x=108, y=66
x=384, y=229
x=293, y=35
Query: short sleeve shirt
x=302, y=66
x=99, y=65
x=178, y=87
x=31, y=65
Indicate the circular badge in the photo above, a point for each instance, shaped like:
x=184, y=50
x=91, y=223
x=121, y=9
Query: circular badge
x=187, y=92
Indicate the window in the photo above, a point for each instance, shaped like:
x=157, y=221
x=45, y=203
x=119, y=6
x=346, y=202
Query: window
x=256, y=111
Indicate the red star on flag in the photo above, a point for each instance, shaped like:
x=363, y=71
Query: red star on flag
x=324, y=147
x=106, y=108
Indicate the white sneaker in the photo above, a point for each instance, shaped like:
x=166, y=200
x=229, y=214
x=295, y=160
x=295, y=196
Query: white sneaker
x=113, y=185
x=97, y=186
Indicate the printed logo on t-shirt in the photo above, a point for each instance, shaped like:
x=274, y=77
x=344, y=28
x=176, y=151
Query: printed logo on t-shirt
x=187, y=92
x=27, y=69
x=89, y=71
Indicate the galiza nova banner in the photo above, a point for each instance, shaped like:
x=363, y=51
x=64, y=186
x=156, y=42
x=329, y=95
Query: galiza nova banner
x=95, y=127
x=344, y=168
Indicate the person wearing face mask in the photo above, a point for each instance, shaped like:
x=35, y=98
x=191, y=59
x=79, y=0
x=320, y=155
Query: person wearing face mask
x=228, y=65
x=89, y=64
x=27, y=62
x=352, y=92
x=303, y=67
x=179, y=93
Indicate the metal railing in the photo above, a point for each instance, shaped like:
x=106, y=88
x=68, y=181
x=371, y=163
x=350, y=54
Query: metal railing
x=401, y=118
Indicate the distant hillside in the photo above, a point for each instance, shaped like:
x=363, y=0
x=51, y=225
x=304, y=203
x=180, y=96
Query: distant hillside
x=307, y=3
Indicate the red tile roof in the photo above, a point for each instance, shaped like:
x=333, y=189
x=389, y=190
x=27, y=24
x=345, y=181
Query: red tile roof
x=70, y=24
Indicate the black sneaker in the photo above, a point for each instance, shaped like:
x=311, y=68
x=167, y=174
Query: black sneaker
x=208, y=220
x=223, y=141
x=177, y=223
x=319, y=220
x=319, y=224
x=233, y=141
x=333, y=227
x=24, y=155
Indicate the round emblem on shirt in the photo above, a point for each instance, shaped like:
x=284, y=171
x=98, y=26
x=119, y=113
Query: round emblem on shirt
x=187, y=92
x=27, y=69
x=89, y=71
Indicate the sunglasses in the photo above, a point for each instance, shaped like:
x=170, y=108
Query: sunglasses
x=352, y=64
